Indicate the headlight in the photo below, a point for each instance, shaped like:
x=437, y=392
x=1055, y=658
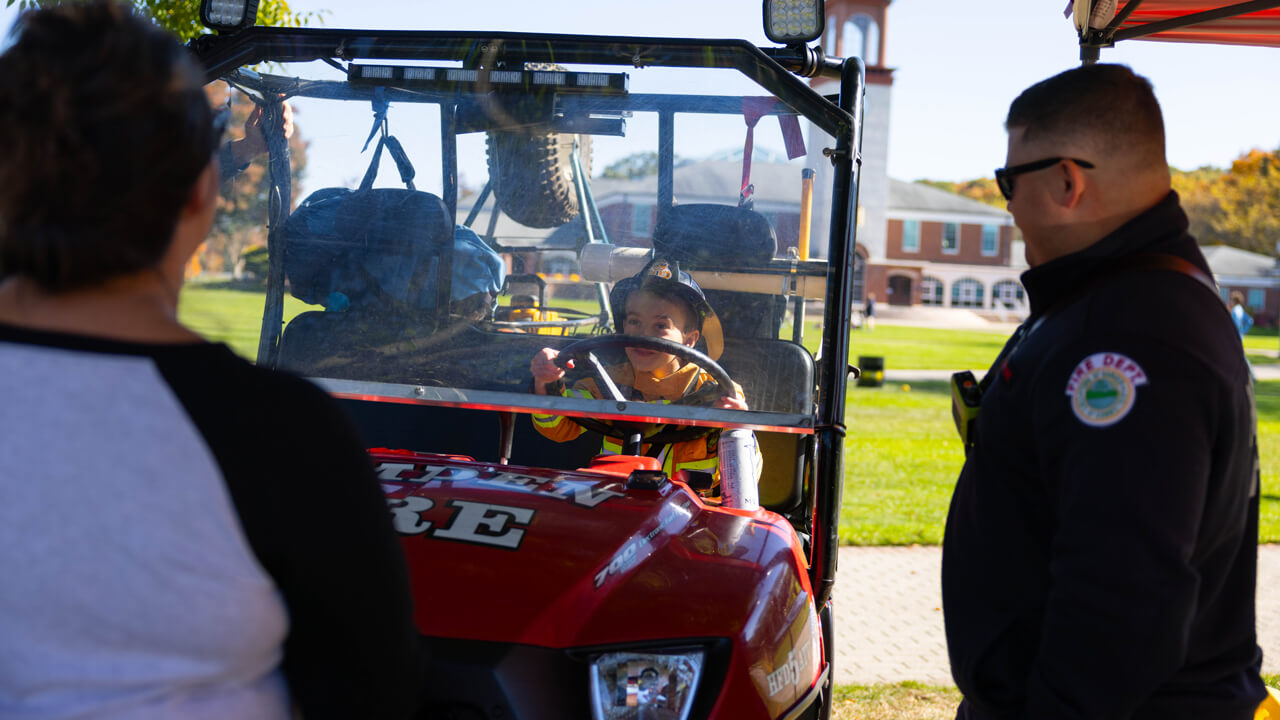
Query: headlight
x=644, y=686
x=794, y=21
x=228, y=15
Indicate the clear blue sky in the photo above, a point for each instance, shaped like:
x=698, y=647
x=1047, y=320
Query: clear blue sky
x=958, y=65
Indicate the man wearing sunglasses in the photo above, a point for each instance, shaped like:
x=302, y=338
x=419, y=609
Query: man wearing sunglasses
x=1100, y=550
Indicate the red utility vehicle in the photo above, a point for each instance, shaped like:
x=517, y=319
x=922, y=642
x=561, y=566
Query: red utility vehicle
x=550, y=581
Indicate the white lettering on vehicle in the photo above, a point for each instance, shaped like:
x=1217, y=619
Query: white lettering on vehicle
x=628, y=556
x=792, y=672
x=583, y=493
x=471, y=522
x=485, y=524
x=585, y=496
x=406, y=514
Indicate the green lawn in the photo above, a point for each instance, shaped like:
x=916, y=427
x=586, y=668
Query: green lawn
x=902, y=457
x=230, y=315
x=913, y=348
x=1262, y=345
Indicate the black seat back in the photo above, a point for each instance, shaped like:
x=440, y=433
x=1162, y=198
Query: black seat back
x=718, y=237
x=776, y=376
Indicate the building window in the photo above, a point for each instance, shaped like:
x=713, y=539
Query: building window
x=1257, y=298
x=862, y=39
x=641, y=220
x=951, y=238
x=990, y=240
x=931, y=291
x=911, y=236
x=1008, y=293
x=966, y=292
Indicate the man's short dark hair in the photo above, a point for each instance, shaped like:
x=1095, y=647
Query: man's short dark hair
x=104, y=128
x=1107, y=106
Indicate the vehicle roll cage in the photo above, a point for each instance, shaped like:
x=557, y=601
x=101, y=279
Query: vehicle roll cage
x=776, y=70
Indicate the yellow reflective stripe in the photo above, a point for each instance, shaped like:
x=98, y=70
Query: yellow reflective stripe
x=708, y=464
x=548, y=421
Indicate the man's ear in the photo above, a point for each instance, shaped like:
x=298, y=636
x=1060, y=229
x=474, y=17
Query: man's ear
x=204, y=191
x=691, y=337
x=1070, y=190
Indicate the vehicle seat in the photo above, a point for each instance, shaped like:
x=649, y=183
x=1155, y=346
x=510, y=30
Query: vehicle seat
x=719, y=237
x=776, y=376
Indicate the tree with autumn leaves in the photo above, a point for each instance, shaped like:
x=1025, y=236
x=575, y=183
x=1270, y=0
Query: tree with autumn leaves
x=239, y=225
x=1238, y=206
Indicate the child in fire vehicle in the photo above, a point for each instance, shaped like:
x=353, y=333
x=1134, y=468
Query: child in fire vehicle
x=665, y=302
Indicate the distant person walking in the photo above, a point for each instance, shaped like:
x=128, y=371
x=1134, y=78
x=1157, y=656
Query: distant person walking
x=1239, y=315
x=869, y=311
x=1100, y=551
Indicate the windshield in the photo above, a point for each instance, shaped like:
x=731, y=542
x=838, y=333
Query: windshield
x=442, y=225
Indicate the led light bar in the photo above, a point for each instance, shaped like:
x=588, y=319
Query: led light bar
x=441, y=78
x=228, y=15
x=794, y=21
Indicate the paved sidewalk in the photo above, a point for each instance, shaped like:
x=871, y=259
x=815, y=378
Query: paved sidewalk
x=888, y=615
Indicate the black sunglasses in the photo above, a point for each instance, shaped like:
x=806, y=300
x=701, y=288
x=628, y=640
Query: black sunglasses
x=1005, y=175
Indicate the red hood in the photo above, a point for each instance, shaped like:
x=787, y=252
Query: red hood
x=565, y=559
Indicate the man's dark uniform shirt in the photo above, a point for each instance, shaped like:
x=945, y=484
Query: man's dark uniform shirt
x=1101, y=546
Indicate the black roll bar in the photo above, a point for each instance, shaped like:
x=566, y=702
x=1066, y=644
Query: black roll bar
x=222, y=54
x=830, y=429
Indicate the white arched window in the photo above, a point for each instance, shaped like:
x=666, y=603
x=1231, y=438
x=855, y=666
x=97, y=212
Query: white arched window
x=829, y=42
x=966, y=292
x=930, y=291
x=862, y=39
x=1008, y=293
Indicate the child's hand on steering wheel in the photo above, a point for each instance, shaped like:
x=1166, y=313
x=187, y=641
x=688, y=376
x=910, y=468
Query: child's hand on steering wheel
x=545, y=370
x=731, y=402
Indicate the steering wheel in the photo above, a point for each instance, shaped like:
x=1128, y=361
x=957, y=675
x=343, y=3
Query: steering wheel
x=585, y=350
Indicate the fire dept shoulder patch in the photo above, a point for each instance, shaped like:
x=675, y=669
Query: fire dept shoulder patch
x=1103, y=388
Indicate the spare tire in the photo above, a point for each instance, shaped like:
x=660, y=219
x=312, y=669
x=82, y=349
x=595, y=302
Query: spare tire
x=532, y=172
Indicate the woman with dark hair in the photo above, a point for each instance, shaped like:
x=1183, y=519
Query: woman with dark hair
x=158, y=559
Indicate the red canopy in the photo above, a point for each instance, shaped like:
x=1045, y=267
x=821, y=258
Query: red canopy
x=1241, y=23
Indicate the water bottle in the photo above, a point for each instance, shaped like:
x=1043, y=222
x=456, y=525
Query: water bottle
x=738, y=488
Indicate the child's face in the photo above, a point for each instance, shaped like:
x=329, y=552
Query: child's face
x=652, y=316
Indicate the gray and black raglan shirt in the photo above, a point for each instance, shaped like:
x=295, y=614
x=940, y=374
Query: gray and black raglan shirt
x=185, y=535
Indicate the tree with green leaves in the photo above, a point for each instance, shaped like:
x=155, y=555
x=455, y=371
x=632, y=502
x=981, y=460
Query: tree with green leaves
x=182, y=17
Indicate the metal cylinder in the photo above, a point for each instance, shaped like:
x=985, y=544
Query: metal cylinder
x=738, y=486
